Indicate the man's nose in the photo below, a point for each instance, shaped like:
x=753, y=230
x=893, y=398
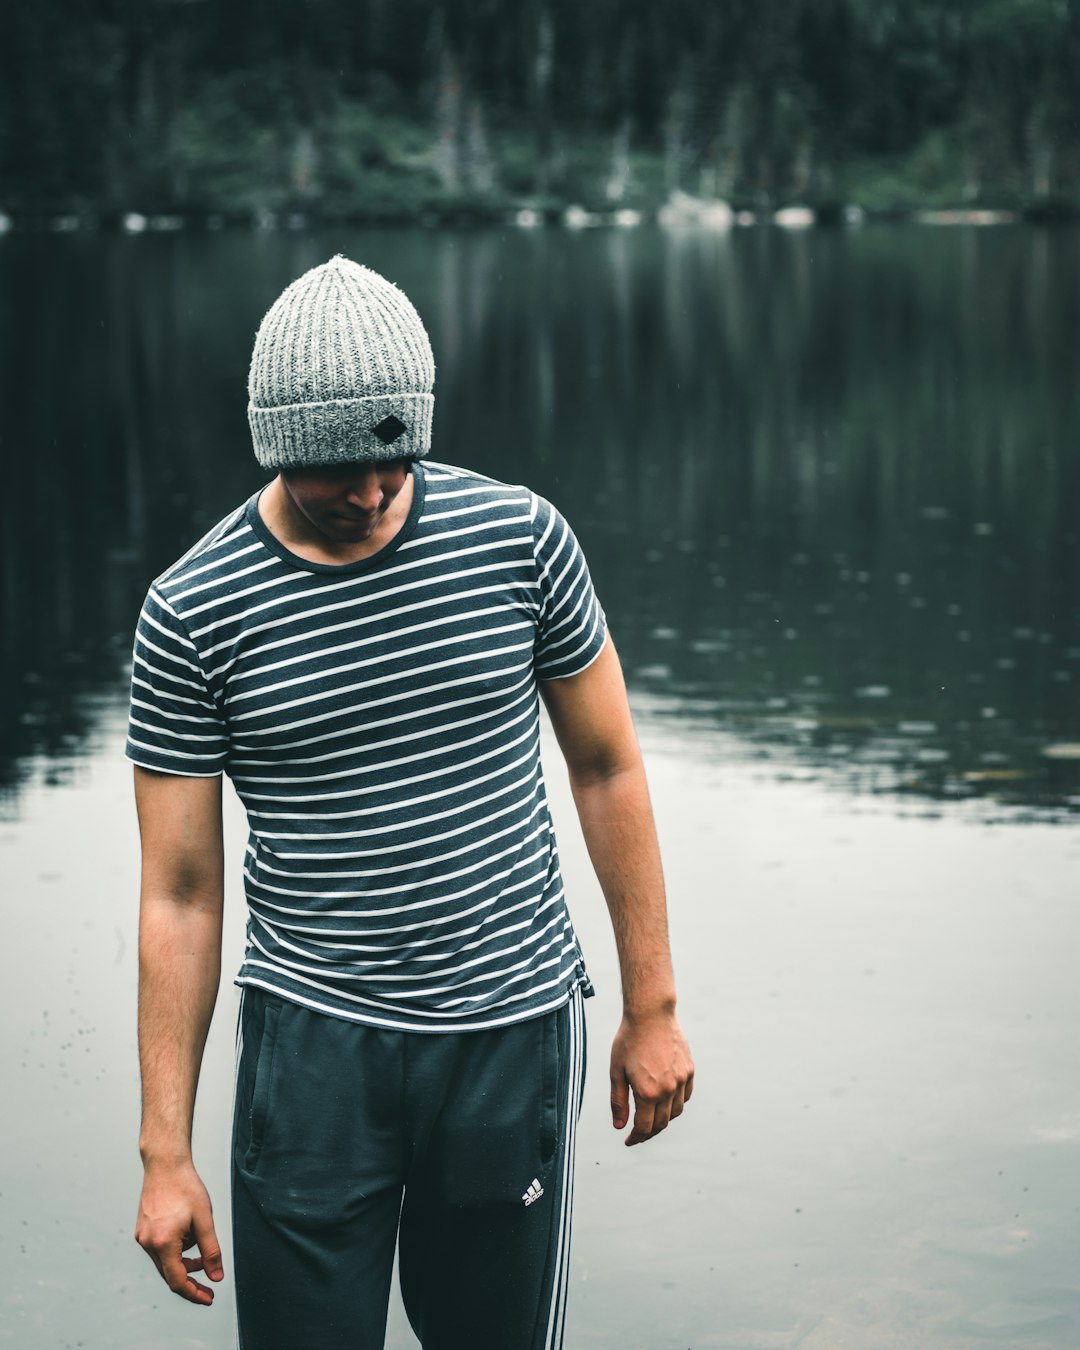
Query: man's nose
x=365, y=491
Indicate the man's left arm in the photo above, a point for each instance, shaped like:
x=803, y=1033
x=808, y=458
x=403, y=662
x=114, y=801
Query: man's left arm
x=591, y=717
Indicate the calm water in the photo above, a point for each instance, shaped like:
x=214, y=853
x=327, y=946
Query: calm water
x=827, y=483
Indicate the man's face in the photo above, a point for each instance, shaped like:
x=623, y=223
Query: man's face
x=345, y=502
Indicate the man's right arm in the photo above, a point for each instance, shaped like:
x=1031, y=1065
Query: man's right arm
x=180, y=922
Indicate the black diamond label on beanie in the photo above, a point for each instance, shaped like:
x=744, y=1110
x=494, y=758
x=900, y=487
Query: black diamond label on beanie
x=389, y=429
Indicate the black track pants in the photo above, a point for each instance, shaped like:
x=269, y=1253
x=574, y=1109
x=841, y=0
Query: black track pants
x=336, y=1121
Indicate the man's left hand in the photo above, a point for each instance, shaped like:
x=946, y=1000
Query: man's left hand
x=650, y=1057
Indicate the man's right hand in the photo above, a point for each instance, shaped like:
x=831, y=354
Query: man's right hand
x=174, y=1216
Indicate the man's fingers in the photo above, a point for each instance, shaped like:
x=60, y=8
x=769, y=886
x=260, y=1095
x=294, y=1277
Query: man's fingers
x=643, y=1121
x=195, y=1292
x=209, y=1247
x=175, y=1275
x=655, y=1112
x=620, y=1102
x=176, y=1269
x=658, y=1117
x=678, y=1102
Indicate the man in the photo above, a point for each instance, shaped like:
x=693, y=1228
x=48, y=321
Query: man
x=360, y=647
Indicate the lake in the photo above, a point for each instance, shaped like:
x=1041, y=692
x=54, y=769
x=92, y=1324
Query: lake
x=827, y=484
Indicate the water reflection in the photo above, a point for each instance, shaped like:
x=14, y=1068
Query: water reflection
x=826, y=480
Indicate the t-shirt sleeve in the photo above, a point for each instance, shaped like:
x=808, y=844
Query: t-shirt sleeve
x=175, y=726
x=571, y=626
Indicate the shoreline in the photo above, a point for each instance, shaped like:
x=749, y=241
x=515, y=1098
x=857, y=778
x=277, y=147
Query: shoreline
x=679, y=212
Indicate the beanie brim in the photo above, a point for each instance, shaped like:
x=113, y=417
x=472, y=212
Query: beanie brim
x=342, y=431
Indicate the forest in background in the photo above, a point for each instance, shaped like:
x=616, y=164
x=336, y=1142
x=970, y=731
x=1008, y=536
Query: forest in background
x=249, y=110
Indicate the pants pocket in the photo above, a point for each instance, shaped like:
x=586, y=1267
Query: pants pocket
x=549, y=1086
x=262, y=1081
x=498, y=1129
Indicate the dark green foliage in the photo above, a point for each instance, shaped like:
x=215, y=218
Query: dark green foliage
x=389, y=108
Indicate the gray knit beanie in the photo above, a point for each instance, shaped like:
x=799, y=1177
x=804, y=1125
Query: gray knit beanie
x=342, y=371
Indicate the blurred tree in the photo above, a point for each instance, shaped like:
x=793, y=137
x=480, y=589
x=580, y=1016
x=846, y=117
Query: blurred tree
x=158, y=105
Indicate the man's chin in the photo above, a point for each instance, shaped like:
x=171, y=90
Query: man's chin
x=347, y=531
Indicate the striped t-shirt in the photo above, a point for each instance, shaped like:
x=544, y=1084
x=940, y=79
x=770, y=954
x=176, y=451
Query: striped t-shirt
x=380, y=723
